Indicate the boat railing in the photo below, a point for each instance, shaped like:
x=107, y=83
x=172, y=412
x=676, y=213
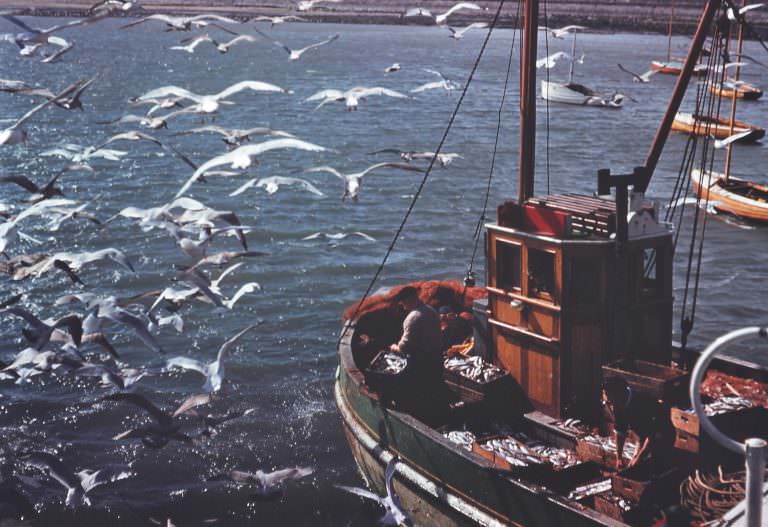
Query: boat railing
x=754, y=449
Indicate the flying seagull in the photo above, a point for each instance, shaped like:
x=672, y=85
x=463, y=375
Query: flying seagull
x=32, y=37
x=351, y=97
x=444, y=83
x=139, y=136
x=394, y=513
x=275, y=20
x=157, y=434
x=444, y=159
x=266, y=484
x=235, y=136
x=552, y=60
x=210, y=103
x=644, y=78
x=191, y=43
x=186, y=23
x=306, y=5
x=68, y=102
x=734, y=17
x=15, y=133
x=458, y=34
x=295, y=54
x=394, y=67
x=213, y=371
x=273, y=184
x=78, y=484
x=442, y=18
x=562, y=31
x=240, y=158
x=352, y=181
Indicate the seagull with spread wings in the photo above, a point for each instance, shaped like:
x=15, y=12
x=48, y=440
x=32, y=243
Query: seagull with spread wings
x=394, y=513
x=15, y=133
x=186, y=23
x=442, y=18
x=353, y=181
x=643, y=78
x=267, y=485
x=235, y=136
x=295, y=54
x=458, y=34
x=276, y=20
x=272, y=184
x=352, y=97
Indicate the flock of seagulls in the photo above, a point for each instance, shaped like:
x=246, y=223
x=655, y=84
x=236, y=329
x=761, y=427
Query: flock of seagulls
x=79, y=342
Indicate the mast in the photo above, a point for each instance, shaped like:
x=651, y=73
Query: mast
x=677, y=95
x=739, y=45
x=573, y=57
x=528, y=101
x=669, y=36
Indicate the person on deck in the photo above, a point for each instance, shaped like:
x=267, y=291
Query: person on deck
x=421, y=340
x=649, y=419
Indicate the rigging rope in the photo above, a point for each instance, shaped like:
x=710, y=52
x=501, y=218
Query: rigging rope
x=481, y=220
x=426, y=174
x=546, y=100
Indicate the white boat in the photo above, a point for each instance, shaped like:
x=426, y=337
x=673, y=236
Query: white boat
x=573, y=93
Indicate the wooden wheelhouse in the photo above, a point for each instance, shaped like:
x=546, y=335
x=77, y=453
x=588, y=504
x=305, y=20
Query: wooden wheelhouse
x=555, y=297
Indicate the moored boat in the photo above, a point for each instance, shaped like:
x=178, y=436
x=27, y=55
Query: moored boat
x=573, y=93
x=675, y=66
x=718, y=127
x=741, y=90
x=733, y=195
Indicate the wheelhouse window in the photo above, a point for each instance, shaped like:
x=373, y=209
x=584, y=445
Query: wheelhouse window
x=585, y=281
x=650, y=283
x=541, y=273
x=508, y=257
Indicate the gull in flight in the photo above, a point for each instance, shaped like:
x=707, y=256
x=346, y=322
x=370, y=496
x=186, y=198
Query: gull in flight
x=186, y=23
x=352, y=181
x=154, y=123
x=78, y=484
x=722, y=143
x=223, y=47
x=352, y=97
x=191, y=43
x=122, y=379
x=458, y=34
x=34, y=37
x=552, y=60
x=394, y=67
x=266, y=484
x=295, y=54
x=273, y=184
x=68, y=102
x=444, y=83
x=240, y=158
x=562, y=31
x=159, y=104
x=306, y=5
x=444, y=159
x=213, y=371
x=15, y=133
x=234, y=136
x=139, y=136
x=48, y=190
x=275, y=20
x=40, y=333
x=734, y=17
x=156, y=434
x=210, y=103
x=13, y=86
x=204, y=286
x=82, y=154
x=442, y=18
x=394, y=513
x=113, y=5
x=338, y=236
x=644, y=78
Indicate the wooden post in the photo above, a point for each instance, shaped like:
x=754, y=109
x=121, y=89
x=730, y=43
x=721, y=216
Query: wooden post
x=677, y=96
x=528, y=102
x=739, y=46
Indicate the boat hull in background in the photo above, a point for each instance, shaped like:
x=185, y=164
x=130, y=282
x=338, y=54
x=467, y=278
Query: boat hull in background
x=576, y=94
x=746, y=203
x=720, y=128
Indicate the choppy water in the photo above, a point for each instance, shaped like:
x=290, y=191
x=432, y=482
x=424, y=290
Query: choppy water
x=285, y=369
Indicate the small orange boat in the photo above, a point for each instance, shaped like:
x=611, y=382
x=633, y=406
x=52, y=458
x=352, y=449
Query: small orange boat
x=735, y=196
x=742, y=90
x=719, y=127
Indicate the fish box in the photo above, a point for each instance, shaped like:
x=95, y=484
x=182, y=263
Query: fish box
x=378, y=380
x=646, y=482
x=655, y=380
x=598, y=450
x=616, y=507
x=741, y=422
x=529, y=472
x=470, y=390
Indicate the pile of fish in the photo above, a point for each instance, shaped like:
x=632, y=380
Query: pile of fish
x=473, y=368
x=389, y=363
x=464, y=438
x=573, y=426
x=620, y=502
x=513, y=451
x=727, y=404
x=609, y=445
x=590, y=489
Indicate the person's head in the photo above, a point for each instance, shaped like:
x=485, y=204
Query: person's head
x=407, y=297
x=616, y=391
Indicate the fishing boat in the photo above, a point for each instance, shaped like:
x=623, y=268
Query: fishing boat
x=715, y=126
x=573, y=93
x=578, y=290
x=673, y=65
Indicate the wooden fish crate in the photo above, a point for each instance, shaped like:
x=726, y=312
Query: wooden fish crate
x=379, y=381
x=655, y=380
x=589, y=451
x=469, y=390
x=739, y=422
x=531, y=472
x=609, y=504
x=646, y=482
